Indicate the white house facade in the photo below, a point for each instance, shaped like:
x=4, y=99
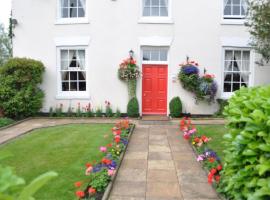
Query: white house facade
x=82, y=43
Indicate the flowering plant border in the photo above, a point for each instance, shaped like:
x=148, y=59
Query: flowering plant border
x=207, y=157
x=103, y=173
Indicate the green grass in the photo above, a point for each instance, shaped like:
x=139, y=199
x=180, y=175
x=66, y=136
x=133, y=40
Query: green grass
x=64, y=149
x=5, y=121
x=216, y=132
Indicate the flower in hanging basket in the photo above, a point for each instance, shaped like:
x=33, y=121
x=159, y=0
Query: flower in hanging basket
x=128, y=70
x=189, y=69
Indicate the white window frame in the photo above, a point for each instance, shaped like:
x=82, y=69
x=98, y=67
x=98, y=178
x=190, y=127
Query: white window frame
x=71, y=94
x=232, y=19
x=156, y=19
x=75, y=20
x=227, y=95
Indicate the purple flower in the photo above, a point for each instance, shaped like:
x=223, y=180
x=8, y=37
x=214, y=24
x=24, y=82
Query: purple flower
x=190, y=69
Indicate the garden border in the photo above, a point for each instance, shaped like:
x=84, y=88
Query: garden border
x=110, y=186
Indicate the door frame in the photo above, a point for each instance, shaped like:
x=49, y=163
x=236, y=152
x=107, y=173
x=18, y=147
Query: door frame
x=142, y=96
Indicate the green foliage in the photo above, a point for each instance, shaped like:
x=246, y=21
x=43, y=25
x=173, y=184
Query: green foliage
x=132, y=86
x=222, y=103
x=20, y=95
x=5, y=122
x=118, y=113
x=246, y=172
x=175, y=107
x=259, y=26
x=108, y=110
x=5, y=46
x=100, y=180
x=133, y=108
x=99, y=112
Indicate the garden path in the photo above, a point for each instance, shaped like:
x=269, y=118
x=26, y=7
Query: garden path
x=160, y=165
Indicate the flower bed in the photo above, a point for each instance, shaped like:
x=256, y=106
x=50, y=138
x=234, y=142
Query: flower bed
x=100, y=175
x=207, y=157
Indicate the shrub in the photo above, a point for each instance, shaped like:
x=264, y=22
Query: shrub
x=108, y=109
x=133, y=108
x=175, y=107
x=222, y=103
x=118, y=113
x=5, y=122
x=99, y=112
x=247, y=165
x=20, y=95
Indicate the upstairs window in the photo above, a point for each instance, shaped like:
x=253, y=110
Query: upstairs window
x=234, y=9
x=155, y=8
x=72, y=8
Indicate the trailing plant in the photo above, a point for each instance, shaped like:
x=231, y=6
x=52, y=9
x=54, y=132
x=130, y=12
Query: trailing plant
x=175, y=107
x=128, y=71
x=246, y=172
x=108, y=109
x=89, y=110
x=222, y=103
x=20, y=95
x=133, y=108
x=204, y=87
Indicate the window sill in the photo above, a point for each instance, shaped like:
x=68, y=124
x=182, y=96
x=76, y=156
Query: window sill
x=72, y=95
x=233, y=21
x=68, y=21
x=155, y=20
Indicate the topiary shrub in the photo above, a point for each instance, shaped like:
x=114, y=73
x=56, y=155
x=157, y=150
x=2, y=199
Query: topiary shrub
x=175, y=107
x=246, y=172
x=133, y=107
x=20, y=95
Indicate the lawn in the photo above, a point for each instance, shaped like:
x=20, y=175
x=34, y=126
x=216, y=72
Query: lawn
x=64, y=149
x=216, y=132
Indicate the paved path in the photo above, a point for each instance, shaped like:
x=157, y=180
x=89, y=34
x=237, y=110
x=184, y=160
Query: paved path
x=160, y=165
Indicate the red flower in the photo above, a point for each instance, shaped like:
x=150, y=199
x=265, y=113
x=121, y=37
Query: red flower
x=80, y=194
x=78, y=184
x=117, y=140
x=211, y=159
x=219, y=167
x=109, y=145
x=106, y=161
x=217, y=178
x=186, y=137
x=210, y=178
x=87, y=165
x=92, y=190
x=196, y=139
x=213, y=171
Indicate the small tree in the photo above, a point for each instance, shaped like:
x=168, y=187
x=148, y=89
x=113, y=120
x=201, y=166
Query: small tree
x=259, y=26
x=5, y=46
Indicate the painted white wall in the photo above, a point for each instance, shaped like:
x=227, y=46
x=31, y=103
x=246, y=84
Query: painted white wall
x=114, y=28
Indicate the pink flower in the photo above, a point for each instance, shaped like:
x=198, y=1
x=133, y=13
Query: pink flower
x=88, y=170
x=200, y=158
x=111, y=172
x=103, y=149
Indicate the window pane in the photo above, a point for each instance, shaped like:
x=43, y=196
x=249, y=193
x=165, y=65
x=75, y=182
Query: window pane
x=228, y=66
x=81, y=12
x=163, y=11
x=81, y=3
x=163, y=55
x=228, y=77
x=146, y=2
x=246, y=55
x=227, y=10
x=236, y=86
x=236, y=66
x=64, y=3
x=236, y=77
x=82, y=76
x=73, y=12
x=146, y=11
x=64, y=54
x=164, y=3
x=82, y=86
x=227, y=87
x=236, y=10
x=65, y=76
x=73, y=3
x=64, y=64
x=236, y=2
x=244, y=84
x=65, y=13
x=155, y=55
x=155, y=2
x=244, y=77
x=155, y=11
x=73, y=86
x=228, y=55
x=73, y=76
x=146, y=55
x=65, y=86
x=243, y=11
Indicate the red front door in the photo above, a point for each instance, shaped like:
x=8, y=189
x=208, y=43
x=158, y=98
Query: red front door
x=154, y=89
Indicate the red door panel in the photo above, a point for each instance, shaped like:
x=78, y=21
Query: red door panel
x=154, y=89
